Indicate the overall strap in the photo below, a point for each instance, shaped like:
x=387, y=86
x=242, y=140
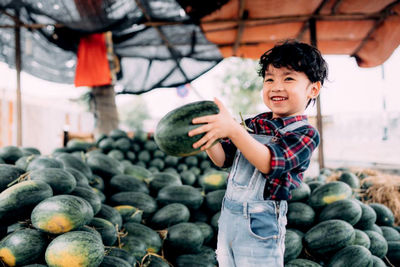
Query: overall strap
x=293, y=126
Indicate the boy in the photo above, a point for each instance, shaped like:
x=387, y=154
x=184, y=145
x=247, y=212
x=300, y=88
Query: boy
x=268, y=159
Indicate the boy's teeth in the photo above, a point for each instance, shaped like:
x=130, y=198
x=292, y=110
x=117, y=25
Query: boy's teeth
x=278, y=98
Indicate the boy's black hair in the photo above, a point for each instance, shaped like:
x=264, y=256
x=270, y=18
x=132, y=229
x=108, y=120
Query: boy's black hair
x=297, y=56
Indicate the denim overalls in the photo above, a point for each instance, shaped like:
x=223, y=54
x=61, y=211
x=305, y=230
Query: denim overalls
x=251, y=230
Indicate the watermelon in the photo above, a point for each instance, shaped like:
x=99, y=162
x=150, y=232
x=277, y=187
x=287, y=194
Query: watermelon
x=379, y=245
x=22, y=247
x=390, y=234
x=116, y=154
x=103, y=165
x=378, y=262
x=384, y=216
x=302, y=263
x=122, y=254
x=110, y=261
x=328, y=237
x=8, y=173
x=213, y=200
x=10, y=154
x=134, y=246
x=301, y=193
x=351, y=256
x=171, y=134
x=70, y=161
x=110, y=214
x=161, y=180
x=314, y=184
x=123, y=144
x=184, y=238
x=139, y=200
x=24, y=161
x=351, y=179
x=184, y=194
x=154, y=260
x=129, y=213
x=27, y=151
x=150, y=237
x=169, y=215
x=213, y=180
x=138, y=172
x=207, y=230
x=123, y=182
x=192, y=260
x=22, y=197
x=368, y=217
x=293, y=245
x=188, y=177
x=116, y=134
x=62, y=213
x=61, y=181
x=42, y=162
x=300, y=215
x=106, y=229
x=393, y=253
x=80, y=178
x=76, y=248
x=362, y=239
x=346, y=209
x=90, y=196
x=329, y=193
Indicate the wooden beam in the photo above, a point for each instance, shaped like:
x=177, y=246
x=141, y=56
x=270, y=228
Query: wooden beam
x=10, y=122
x=249, y=21
x=312, y=17
x=385, y=12
x=1, y=122
x=241, y=25
x=335, y=6
x=164, y=39
x=321, y=159
x=17, y=33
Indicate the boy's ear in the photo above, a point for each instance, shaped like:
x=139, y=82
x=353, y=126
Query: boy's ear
x=315, y=89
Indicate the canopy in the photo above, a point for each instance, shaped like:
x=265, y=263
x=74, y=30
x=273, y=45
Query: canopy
x=367, y=30
x=166, y=43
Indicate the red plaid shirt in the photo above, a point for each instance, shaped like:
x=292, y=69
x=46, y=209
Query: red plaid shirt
x=290, y=153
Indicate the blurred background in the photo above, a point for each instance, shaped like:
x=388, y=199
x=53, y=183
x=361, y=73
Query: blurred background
x=360, y=107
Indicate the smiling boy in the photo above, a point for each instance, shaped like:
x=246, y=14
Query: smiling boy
x=267, y=161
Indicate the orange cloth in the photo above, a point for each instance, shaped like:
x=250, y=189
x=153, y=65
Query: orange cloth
x=92, y=67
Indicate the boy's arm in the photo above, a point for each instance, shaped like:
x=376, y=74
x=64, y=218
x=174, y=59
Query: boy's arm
x=216, y=154
x=223, y=125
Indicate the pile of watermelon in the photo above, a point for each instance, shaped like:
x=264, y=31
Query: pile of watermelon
x=328, y=225
x=119, y=201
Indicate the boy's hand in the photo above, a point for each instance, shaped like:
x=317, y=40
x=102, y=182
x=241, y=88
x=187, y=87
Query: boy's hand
x=216, y=126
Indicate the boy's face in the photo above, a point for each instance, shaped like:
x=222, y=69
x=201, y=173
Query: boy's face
x=286, y=92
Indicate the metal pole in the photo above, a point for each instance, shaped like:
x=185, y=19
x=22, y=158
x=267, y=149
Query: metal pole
x=313, y=38
x=17, y=31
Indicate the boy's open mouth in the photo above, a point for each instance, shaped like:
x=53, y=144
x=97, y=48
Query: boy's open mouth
x=278, y=98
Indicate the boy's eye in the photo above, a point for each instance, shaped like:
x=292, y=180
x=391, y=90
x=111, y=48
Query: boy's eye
x=289, y=79
x=269, y=80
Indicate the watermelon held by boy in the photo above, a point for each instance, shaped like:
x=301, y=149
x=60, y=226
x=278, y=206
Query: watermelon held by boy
x=171, y=133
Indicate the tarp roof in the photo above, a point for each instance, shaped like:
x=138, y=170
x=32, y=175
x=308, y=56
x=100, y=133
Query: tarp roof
x=368, y=30
x=165, y=43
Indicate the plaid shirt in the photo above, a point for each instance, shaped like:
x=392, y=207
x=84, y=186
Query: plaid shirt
x=290, y=153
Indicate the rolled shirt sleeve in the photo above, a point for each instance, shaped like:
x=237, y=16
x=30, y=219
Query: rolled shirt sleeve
x=230, y=151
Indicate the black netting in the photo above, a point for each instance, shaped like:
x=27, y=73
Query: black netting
x=174, y=53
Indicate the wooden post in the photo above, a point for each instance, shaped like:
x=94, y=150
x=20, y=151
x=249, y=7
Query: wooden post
x=313, y=38
x=1, y=122
x=17, y=32
x=10, y=121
